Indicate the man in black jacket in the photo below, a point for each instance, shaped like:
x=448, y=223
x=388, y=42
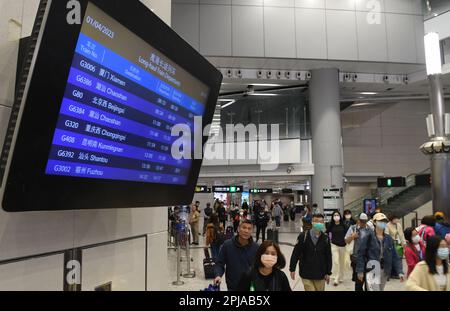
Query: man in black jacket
x=313, y=253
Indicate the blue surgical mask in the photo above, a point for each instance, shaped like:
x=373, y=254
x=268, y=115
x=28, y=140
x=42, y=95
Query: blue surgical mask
x=443, y=253
x=381, y=225
x=318, y=226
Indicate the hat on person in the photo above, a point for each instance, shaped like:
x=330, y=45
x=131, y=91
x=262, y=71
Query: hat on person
x=363, y=216
x=439, y=214
x=380, y=217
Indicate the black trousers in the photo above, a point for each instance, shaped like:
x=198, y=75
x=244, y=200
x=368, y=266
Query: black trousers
x=263, y=230
x=359, y=286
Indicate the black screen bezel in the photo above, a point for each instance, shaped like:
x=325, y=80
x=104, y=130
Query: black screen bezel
x=27, y=187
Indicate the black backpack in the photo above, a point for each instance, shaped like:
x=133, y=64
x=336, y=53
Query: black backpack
x=219, y=237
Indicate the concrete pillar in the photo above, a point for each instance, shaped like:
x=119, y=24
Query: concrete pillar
x=326, y=133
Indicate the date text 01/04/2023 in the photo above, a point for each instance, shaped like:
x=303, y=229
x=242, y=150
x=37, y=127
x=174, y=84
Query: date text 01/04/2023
x=230, y=301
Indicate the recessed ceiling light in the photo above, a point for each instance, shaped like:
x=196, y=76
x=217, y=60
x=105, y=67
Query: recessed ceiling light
x=263, y=94
x=368, y=93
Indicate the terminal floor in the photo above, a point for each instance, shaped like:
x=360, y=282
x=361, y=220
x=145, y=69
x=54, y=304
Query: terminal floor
x=288, y=234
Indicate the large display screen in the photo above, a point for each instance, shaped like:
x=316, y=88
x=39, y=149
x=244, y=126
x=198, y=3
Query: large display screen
x=100, y=97
x=121, y=101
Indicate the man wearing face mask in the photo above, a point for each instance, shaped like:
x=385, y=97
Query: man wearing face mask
x=377, y=256
x=313, y=253
x=236, y=256
x=353, y=238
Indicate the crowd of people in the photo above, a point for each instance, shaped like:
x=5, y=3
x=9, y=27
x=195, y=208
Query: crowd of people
x=372, y=245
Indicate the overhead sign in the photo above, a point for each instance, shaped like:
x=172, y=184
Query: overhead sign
x=228, y=189
x=261, y=190
x=423, y=180
x=202, y=189
x=391, y=182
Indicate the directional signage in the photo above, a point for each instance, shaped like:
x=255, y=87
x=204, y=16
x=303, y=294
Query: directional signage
x=228, y=189
x=202, y=189
x=261, y=190
x=391, y=182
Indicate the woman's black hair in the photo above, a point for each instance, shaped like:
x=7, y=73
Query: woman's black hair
x=408, y=234
x=281, y=260
x=429, y=220
x=347, y=211
x=433, y=243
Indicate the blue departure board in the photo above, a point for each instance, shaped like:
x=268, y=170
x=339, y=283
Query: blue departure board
x=121, y=101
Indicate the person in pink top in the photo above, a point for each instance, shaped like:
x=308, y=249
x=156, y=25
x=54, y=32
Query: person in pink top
x=426, y=228
x=414, y=250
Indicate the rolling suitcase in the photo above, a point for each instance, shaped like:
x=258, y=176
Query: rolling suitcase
x=208, y=266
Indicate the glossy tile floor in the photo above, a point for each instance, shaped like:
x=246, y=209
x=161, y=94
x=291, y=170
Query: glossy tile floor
x=288, y=234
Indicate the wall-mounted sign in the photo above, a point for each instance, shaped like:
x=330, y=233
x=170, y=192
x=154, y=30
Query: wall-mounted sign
x=228, y=189
x=261, y=190
x=332, y=201
x=202, y=189
x=391, y=182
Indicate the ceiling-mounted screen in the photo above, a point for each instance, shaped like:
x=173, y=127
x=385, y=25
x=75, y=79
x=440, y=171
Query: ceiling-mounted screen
x=102, y=99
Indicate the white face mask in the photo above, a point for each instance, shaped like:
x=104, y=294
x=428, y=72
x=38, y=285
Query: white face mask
x=416, y=239
x=337, y=218
x=269, y=260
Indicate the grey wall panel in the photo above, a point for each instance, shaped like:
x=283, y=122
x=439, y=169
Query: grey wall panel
x=370, y=5
x=215, y=30
x=340, y=5
x=248, y=31
x=419, y=27
x=311, y=32
x=372, y=40
x=279, y=3
x=341, y=30
x=185, y=21
x=401, y=38
x=318, y=4
x=401, y=6
x=247, y=2
x=216, y=2
x=279, y=29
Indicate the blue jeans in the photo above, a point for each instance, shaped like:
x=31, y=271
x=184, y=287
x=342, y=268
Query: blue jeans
x=214, y=251
x=278, y=221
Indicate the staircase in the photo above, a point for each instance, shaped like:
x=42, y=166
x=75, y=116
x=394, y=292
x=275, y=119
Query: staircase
x=398, y=201
x=407, y=201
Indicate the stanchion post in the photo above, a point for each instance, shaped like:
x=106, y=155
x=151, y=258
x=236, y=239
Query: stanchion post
x=190, y=274
x=178, y=282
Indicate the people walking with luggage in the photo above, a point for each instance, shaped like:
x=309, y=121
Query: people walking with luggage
x=266, y=274
x=222, y=212
x=395, y=230
x=432, y=274
x=277, y=214
x=261, y=221
x=377, y=255
x=426, y=228
x=353, y=238
x=414, y=249
x=194, y=222
x=313, y=255
x=208, y=211
x=336, y=231
x=215, y=236
x=236, y=256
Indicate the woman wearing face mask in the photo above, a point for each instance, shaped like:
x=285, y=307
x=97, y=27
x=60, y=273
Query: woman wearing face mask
x=266, y=274
x=336, y=230
x=433, y=273
x=414, y=249
x=348, y=219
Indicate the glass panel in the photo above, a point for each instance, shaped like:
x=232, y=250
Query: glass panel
x=288, y=108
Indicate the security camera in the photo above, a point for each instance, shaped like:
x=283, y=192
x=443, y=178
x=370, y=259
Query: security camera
x=298, y=75
x=269, y=74
x=386, y=78
x=229, y=73
x=308, y=75
x=287, y=74
x=239, y=73
x=289, y=169
x=347, y=77
x=355, y=77
x=259, y=74
x=279, y=74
